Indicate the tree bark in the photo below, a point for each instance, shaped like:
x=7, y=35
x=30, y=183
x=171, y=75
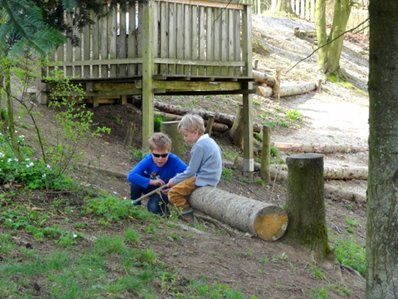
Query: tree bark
x=261, y=77
x=236, y=131
x=266, y=221
x=306, y=205
x=265, y=155
x=382, y=212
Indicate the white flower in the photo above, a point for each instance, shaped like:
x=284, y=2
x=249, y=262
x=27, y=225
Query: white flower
x=9, y=160
x=30, y=164
x=48, y=166
x=1, y=155
x=27, y=159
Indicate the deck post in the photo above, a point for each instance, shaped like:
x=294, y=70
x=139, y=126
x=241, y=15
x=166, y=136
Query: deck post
x=147, y=72
x=248, y=160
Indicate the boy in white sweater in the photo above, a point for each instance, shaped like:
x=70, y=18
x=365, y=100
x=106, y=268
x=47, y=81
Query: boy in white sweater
x=204, y=169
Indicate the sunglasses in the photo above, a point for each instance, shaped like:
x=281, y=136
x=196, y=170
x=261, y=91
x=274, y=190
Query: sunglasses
x=160, y=155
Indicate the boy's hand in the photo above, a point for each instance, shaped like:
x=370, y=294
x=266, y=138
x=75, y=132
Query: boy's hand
x=170, y=184
x=157, y=182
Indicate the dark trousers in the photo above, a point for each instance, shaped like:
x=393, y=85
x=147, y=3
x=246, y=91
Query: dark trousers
x=157, y=203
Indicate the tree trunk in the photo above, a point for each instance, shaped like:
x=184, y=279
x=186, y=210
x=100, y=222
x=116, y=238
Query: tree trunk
x=329, y=54
x=382, y=212
x=266, y=221
x=342, y=10
x=284, y=6
x=306, y=205
x=236, y=132
x=318, y=148
x=265, y=155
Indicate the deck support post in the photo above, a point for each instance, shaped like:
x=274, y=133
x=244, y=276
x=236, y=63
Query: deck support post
x=248, y=160
x=147, y=74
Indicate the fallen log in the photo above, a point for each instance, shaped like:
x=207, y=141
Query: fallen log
x=264, y=91
x=266, y=221
x=330, y=173
x=217, y=127
x=291, y=89
x=219, y=117
x=261, y=77
x=318, y=148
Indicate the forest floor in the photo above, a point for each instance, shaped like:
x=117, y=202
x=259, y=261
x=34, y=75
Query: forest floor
x=336, y=115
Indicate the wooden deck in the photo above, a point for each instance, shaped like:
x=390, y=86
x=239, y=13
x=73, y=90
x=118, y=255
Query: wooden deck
x=182, y=47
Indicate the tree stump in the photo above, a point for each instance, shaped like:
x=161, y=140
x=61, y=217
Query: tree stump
x=266, y=221
x=306, y=205
x=236, y=132
x=178, y=147
x=265, y=155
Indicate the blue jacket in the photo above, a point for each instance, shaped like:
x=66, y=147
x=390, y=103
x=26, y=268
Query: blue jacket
x=146, y=170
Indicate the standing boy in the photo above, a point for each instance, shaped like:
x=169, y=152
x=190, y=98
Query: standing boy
x=155, y=170
x=204, y=167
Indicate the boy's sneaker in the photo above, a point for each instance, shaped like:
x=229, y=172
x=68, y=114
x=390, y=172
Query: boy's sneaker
x=187, y=216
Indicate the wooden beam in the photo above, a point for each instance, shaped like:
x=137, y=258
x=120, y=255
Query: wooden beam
x=248, y=160
x=147, y=73
x=211, y=3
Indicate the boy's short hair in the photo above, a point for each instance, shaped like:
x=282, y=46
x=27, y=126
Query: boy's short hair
x=191, y=123
x=159, y=141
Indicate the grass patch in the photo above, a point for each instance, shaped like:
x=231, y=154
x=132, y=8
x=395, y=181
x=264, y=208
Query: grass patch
x=351, y=253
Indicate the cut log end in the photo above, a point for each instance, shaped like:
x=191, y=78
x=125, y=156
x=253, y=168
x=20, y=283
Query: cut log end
x=271, y=224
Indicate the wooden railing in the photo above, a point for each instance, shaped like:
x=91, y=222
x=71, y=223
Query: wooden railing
x=192, y=38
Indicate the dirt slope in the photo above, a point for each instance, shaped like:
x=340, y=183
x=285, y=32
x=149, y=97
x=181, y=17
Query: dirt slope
x=335, y=115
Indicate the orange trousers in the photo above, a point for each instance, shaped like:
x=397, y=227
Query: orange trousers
x=179, y=193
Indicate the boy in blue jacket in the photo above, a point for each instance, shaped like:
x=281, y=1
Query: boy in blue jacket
x=155, y=170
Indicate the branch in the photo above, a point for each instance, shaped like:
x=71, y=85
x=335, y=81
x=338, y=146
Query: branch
x=329, y=42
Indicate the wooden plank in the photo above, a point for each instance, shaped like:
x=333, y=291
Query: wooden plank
x=95, y=35
x=121, y=42
x=132, y=37
x=196, y=85
x=237, y=41
x=180, y=36
x=86, y=50
x=68, y=50
x=104, y=46
x=140, y=37
x=172, y=35
x=210, y=3
x=209, y=40
x=156, y=37
x=248, y=158
x=212, y=63
x=164, y=35
x=231, y=44
x=60, y=57
x=224, y=40
x=112, y=34
x=194, y=39
x=101, y=62
x=187, y=37
x=246, y=41
x=147, y=72
x=78, y=55
x=217, y=39
x=202, y=39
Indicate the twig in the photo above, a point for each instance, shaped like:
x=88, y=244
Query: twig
x=327, y=43
x=149, y=193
